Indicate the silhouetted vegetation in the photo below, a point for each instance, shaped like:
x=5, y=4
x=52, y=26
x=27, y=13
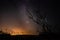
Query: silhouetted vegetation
x=42, y=36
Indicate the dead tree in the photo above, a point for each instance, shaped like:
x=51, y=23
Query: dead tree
x=39, y=19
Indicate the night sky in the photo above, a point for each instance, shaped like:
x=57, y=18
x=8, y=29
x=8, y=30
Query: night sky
x=14, y=20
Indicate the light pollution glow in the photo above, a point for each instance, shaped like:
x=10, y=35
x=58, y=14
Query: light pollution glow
x=19, y=31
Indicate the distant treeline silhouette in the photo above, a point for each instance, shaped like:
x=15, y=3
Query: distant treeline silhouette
x=43, y=36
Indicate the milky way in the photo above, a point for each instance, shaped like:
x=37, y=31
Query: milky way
x=18, y=23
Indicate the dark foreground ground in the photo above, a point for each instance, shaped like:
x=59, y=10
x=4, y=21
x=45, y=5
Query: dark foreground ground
x=44, y=36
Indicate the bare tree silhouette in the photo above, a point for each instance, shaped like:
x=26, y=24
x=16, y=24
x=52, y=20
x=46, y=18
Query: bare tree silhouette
x=38, y=18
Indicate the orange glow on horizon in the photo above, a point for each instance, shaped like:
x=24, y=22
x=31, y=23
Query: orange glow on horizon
x=19, y=31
